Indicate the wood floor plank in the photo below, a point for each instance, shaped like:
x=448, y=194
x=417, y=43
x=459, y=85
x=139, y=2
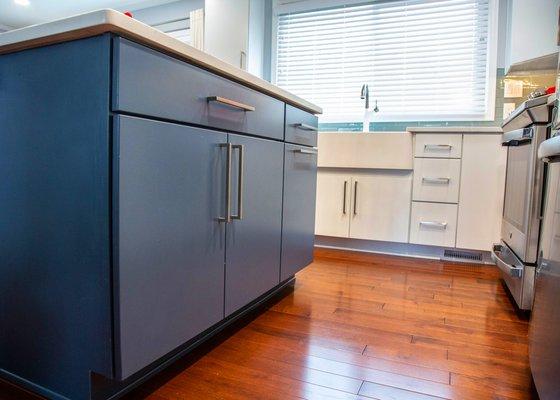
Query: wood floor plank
x=363, y=326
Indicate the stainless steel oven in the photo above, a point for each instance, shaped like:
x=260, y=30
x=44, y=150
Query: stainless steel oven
x=516, y=255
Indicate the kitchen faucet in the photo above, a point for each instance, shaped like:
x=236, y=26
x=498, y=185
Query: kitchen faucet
x=365, y=94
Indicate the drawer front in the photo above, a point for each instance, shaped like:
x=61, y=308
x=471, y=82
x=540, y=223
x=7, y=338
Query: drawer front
x=436, y=180
x=147, y=82
x=301, y=126
x=433, y=224
x=438, y=145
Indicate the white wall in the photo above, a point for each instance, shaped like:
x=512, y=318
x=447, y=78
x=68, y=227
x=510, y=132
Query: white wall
x=167, y=12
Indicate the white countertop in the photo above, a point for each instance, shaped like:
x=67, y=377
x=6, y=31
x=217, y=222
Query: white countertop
x=101, y=21
x=455, y=129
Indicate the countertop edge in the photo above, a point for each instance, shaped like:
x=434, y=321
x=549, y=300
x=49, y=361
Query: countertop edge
x=456, y=129
x=108, y=20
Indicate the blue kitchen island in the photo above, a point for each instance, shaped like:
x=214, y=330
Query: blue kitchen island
x=151, y=196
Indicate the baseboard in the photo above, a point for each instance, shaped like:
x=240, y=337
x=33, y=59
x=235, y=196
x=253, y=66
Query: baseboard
x=394, y=249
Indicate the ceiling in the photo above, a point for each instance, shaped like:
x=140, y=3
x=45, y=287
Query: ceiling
x=13, y=15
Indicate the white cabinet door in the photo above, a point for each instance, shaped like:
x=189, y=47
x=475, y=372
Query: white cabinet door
x=226, y=30
x=482, y=192
x=381, y=205
x=332, y=216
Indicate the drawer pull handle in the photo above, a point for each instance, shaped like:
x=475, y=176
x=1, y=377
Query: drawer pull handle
x=306, y=127
x=433, y=224
x=356, y=198
x=441, y=181
x=344, y=198
x=229, y=149
x=232, y=103
x=306, y=151
x=437, y=147
x=239, y=214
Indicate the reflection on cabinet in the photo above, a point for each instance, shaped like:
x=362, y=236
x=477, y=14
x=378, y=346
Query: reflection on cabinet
x=482, y=192
x=370, y=205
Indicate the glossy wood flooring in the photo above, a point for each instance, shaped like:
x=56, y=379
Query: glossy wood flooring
x=361, y=326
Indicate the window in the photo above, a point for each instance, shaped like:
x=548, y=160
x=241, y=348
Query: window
x=422, y=59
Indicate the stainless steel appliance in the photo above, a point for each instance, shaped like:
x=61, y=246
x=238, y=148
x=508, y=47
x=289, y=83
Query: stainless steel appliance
x=516, y=255
x=544, y=342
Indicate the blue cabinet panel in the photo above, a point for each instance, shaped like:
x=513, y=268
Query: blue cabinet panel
x=55, y=287
x=253, y=242
x=150, y=83
x=170, y=181
x=301, y=126
x=298, y=225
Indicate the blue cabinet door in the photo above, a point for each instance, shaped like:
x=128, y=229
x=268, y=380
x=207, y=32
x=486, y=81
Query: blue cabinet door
x=254, y=240
x=169, y=254
x=298, y=228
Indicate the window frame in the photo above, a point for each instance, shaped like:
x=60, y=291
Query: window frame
x=491, y=65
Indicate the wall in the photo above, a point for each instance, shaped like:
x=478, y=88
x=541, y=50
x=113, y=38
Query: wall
x=167, y=12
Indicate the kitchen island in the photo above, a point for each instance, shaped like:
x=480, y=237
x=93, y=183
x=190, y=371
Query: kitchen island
x=152, y=195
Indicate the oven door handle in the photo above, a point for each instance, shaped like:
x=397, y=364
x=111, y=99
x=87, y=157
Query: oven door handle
x=504, y=266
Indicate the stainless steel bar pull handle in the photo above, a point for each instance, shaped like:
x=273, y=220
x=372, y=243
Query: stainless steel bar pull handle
x=437, y=147
x=441, y=181
x=231, y=103
x=434, y=224
x=356, y=198
x=306, y=127
x=306, y=151
x=239, y=214
x=227, y=218
x=344, y=198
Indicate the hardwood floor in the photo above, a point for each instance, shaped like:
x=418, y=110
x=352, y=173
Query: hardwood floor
x=361, y=326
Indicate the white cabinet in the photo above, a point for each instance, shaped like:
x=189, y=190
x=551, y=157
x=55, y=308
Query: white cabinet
x=332, y=212
x=226, y=30
x=380, y=205
x=433, y=224
x=482, y=192
x=373, y=205
x=531, y=30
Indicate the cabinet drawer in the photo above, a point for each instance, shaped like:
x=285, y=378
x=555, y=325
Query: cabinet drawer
x=438, y=145
x=301, y=127
x=436, y=180
x=147, y=82
x=433, y=224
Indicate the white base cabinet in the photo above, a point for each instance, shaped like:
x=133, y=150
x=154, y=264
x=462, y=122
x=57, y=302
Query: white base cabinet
x=372, y=205
x=482, y=192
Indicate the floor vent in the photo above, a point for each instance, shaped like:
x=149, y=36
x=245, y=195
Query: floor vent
x=462, y=255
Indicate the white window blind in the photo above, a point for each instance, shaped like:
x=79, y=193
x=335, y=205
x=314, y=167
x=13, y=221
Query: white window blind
x=422, y=59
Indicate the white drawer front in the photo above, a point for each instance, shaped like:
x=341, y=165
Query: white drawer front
x=433, y=224
x=438, y=145
x=436, y=180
